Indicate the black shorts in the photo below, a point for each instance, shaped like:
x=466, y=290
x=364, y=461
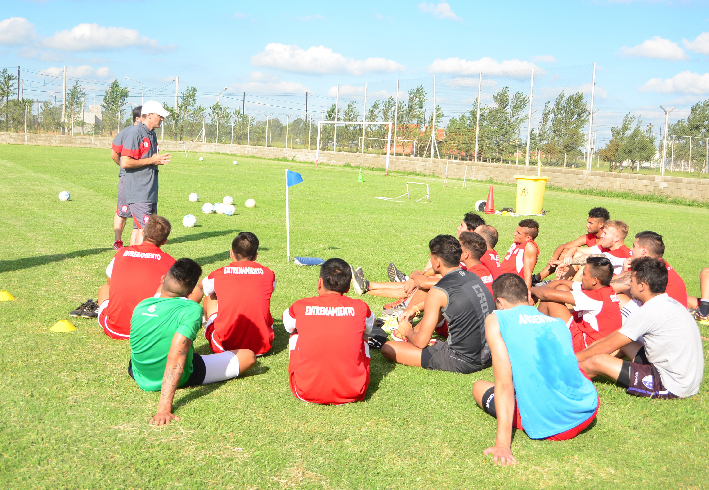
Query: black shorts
x=199, y=371
x=441, y=357
x=641, y=378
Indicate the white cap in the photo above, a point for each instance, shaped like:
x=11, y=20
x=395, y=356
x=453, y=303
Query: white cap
x=152, y=107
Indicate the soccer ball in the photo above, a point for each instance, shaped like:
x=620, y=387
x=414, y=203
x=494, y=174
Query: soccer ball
x=194, y=197
x=250, y=203
x=189, y=221
x=64, y=196
x=207, y=208
x=229, y=209
x=201, y=158
x=228, y=200
x=235, y=162
x=219, y=207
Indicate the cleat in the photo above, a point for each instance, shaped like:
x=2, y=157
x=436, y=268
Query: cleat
x=91, y=310
x=395, y=275
x=80, y=309
x=118, y=244
x=361, y=285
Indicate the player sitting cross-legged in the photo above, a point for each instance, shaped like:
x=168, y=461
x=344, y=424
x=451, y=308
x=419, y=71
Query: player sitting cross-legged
x=462, y=299
x=237, y=300
x=162, y=332
x=661, y=341
x=328, y=350
x=133, y=275
x=595, y=313
x=538, y=385
x=522, y=256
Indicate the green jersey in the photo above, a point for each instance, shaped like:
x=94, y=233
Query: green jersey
x=152, y=328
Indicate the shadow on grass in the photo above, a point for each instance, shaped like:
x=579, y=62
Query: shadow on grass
x=28, y=262
x=203, y=390
x=201, y=236
x=280, y=342
x=378, y=369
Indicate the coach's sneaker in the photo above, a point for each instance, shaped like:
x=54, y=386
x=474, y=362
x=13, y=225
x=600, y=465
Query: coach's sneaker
x=394, y=311
x=90, y=310
x=118, y=244
x=80, y=310
x=395, y=275
x=361, y=285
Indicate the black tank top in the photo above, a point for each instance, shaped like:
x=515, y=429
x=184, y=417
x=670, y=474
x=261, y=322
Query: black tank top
x=469, y=303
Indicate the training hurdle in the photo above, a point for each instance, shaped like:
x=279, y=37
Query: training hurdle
x=408, y=195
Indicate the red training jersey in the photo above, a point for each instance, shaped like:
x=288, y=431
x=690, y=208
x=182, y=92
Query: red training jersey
x=329, y=360
x=135, y=274
x=676, y=288
x=514, y=260
x=491, y=260
x=596, y=314
x=591, y=239
x=244, y=318
x=484, y=274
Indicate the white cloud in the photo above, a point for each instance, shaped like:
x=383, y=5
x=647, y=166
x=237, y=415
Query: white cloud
x=682, y=83
x=352, y=91
x=16, y=30
x=93, y=37
x=441, y=10
x=319, y=60
x=487, y=66
x=656, y=48
x=699, y=45
x=308, y=18
x=28, y=52
x=240, y=15
x=544, y=58
x=262, y=83
x=81, y=71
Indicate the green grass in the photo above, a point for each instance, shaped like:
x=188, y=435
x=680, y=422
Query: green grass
x=73, y=418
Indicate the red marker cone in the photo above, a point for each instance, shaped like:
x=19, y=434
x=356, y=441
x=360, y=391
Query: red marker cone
x=490, y=204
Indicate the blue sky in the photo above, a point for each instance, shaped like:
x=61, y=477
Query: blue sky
x=648, y=52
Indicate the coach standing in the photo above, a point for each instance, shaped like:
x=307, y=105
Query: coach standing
x=140, y=160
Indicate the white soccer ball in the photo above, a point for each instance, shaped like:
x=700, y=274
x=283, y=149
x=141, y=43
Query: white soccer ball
x=207, y=208
x=194, y=197
x=219, y=207
x=201, y=158
x=229, y=209
x=64, y=196
x=189, y=221
x=228, y=200
x=250, y=203
x=235, y=162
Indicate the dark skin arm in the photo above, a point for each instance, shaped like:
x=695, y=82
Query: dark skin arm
x=606, y=346
x=435, y=300
x=157, y=159
x=116, y=157
x=171, y=379
x=530, y=261
x=621, y=282
x=546, y=293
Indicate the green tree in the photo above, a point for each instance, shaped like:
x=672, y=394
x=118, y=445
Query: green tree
x=187, y=119
x=114, y=99
x=8, y=85
x=51, y=116
x=569, y=115
x=74, y=101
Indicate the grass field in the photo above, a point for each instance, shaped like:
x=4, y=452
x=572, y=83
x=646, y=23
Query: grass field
x=73, y=418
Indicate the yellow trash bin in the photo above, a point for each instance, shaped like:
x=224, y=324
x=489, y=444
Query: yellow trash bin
x=530, y=194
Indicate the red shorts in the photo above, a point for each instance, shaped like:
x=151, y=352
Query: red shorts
x=106, y=325
x=209, y=335
x=578, y=338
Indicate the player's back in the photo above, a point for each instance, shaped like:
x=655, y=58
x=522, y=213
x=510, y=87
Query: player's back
x=244, y=318
x=329, y=360
x=135, y=275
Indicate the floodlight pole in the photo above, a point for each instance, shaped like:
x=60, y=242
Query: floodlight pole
x=219, y=107
x=433, y=120
x=267, y=117
x=664, y=140
x=477, y=122
x=589, y=157
x=337, y=102
x=287, y=122
x=396, y=115
x=529, y=123
x=310, y=129
x=364, y=116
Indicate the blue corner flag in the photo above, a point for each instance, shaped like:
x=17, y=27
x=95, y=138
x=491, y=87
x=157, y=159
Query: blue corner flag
x=293, y=178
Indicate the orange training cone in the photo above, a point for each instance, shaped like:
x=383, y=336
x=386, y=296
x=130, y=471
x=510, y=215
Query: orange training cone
x=490, y=204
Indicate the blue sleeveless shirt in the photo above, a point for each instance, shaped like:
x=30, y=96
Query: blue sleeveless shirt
x=552, y=394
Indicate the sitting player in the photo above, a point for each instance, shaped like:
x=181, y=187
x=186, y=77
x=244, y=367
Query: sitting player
x=460, y=298
x=522, y=256
x=538, y=385
x=595, y=223
x=237, y=300
x=329, y=355
x=661, y=341
x=133, y=275
x=491, y=259
x=700, y=306
x=162, y=331
x=649, y=244
x=596, y=313
x=474, y=247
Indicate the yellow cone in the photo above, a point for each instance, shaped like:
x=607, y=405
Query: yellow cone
x=5, y=296
x=63, y=326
